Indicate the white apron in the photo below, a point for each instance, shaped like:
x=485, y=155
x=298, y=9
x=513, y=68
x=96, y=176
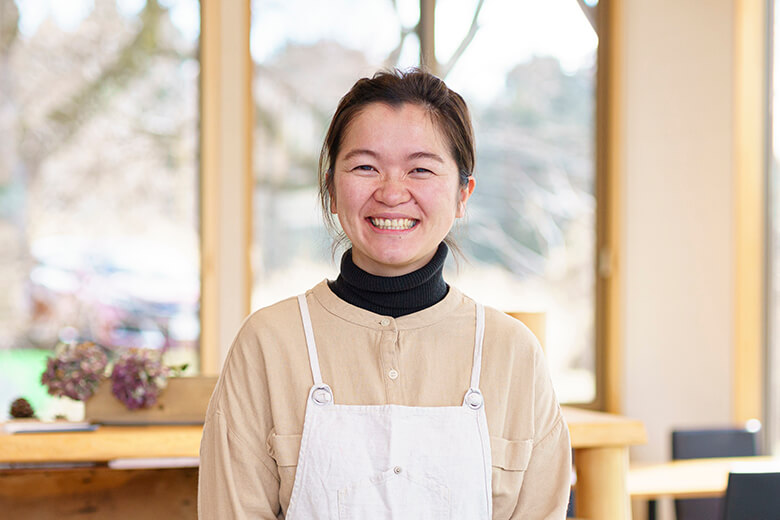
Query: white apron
x=390, y=461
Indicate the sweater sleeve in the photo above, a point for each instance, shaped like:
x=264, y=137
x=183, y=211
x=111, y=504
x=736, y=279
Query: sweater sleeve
x=238, y=478
x=547, y=481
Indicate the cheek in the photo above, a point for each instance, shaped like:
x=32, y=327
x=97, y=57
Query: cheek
x=345, y=196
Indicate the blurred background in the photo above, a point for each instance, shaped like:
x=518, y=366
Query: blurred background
x=99, y=170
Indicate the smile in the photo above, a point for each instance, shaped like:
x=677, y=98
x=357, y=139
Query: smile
x=393, y=223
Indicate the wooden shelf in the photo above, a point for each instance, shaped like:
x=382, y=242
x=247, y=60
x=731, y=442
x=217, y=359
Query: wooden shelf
x=104, y=444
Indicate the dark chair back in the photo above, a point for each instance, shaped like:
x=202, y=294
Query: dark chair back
x=752, y=496
x=701, y=444
x=705, y=444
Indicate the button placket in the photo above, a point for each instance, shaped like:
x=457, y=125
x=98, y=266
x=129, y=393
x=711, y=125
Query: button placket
x=389, y=364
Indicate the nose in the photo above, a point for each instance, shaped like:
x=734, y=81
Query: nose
x=392, y=192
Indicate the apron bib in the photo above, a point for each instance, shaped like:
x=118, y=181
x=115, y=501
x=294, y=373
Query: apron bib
x=384, y=462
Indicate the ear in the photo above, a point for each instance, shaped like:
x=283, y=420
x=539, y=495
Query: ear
x=463, y=195
x=331, y=193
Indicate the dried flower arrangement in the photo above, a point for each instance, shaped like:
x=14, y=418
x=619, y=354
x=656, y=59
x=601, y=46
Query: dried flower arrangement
x=137, y=377
x=75, y=371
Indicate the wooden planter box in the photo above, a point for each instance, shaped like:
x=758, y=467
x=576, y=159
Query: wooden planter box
x=183, y=401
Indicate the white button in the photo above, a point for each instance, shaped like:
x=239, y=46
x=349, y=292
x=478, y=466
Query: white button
x=393, y=374
x=397, y=470
x=384, y=322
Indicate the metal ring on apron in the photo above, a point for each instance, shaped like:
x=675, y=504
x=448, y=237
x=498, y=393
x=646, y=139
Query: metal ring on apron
x=322, y=395
x=474, y=399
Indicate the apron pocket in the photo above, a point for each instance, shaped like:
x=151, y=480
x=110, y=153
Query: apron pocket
x=284, y=449
x=510, y=459
x=394, y=494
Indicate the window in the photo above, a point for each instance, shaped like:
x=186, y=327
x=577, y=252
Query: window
x=527, y=70
x=303, y=65
x=98, y=183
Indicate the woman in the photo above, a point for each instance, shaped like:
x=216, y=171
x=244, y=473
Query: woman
x=386, y=393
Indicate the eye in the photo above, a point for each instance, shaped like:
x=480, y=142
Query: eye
x=420, y=172
x=364, y=168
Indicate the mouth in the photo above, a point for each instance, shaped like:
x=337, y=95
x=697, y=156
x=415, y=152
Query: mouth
x=393, y=224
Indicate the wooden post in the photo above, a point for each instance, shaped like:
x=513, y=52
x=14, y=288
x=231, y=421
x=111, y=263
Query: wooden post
x=601, y=483
x=226, y=176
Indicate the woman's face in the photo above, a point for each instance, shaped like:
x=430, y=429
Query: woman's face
x=395, y=188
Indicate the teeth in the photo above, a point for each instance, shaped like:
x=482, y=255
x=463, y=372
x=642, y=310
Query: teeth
x=395, y=223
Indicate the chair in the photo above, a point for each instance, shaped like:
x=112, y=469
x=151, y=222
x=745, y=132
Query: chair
x=702, y=444
x=752, y=496
x=698, y=444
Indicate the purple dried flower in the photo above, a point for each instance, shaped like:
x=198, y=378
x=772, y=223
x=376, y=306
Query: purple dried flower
x=138, y=378
x=76, y=371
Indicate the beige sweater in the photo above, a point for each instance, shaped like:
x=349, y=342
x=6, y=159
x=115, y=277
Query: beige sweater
x=254, y=422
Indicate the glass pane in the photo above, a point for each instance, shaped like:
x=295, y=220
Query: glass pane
x=528, y=73
x=307, y=54
x=530, y=233
x=98, y=182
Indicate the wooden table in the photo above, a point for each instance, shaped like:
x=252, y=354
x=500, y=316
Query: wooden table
x=693, y=478
x=600, y=443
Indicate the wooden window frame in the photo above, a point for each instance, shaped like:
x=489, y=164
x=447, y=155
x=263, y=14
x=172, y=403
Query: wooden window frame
x=226, y=176
x=752, y=147
x=610, y=145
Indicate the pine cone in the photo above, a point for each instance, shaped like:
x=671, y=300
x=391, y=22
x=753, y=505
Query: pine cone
x=21, y=408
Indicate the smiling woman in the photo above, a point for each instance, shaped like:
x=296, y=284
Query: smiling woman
x=395, y=188
x=363, y=397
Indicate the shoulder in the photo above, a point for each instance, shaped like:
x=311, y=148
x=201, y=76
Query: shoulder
x=267, y=334
x=275, y=317
x=268, y=340
x=506, y=334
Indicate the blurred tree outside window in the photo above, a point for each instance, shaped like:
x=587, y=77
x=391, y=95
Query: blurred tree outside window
x=98, y=183
x=302, y=67
x=527, y=70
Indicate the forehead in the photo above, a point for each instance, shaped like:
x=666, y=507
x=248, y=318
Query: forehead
x=383, y=125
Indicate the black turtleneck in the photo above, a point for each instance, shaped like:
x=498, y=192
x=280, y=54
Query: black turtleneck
x=392, y=295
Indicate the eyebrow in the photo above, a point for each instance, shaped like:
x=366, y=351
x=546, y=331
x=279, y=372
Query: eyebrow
x=415, y=155
x=426, y=155
x=360, y=151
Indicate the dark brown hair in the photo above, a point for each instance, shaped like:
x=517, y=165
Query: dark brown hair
x=446, y=107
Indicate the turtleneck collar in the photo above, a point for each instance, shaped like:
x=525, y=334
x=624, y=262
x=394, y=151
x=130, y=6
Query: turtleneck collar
x=392, y=295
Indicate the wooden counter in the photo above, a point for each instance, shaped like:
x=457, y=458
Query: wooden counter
x=600, y=442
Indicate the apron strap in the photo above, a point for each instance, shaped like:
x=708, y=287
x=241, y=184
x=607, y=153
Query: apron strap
x=308, y=330
x=478, y=339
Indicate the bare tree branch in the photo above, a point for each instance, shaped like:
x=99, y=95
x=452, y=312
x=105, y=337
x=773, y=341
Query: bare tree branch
x=446, y=68
x=590, y=14
x=67, y=119
x=9, y=20
x=395, y=54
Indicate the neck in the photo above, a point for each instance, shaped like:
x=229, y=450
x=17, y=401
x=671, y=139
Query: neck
x=392, y=295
